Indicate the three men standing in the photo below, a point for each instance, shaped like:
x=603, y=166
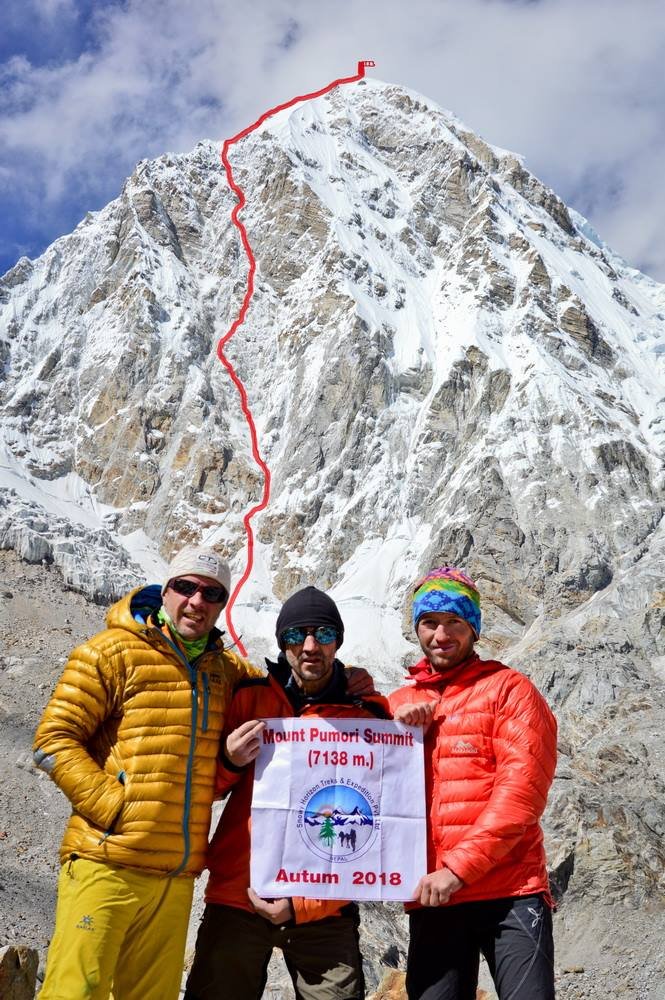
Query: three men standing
x=131, y=735
x=490, y=756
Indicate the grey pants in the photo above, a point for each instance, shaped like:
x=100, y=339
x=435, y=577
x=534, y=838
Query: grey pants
x=233, y=948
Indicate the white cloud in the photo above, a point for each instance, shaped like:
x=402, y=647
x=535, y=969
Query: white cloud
x=576, y=87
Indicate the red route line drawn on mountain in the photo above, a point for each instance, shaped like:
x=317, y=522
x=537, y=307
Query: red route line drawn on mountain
x=244, y=404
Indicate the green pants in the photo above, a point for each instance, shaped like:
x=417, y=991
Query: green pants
x=117, y=929
x=233, y=949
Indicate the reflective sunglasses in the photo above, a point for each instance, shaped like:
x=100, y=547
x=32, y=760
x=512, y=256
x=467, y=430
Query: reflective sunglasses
x=295, y=636
x=187, y=588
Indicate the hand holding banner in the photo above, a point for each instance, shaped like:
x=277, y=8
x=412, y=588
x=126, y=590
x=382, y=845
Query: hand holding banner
x=338, y=810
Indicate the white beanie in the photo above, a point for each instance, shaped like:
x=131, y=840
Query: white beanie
x=199, y=562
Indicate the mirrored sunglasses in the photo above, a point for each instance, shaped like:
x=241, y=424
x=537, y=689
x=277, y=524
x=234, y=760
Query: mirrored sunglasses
x=295, y=636
x=187, y=588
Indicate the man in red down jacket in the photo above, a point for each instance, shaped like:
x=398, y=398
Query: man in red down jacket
x=490, y=756
x=239, y=929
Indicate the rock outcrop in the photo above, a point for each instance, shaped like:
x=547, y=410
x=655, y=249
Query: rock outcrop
x=18, y=972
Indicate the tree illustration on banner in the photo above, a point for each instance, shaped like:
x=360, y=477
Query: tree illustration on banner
x=327, y=833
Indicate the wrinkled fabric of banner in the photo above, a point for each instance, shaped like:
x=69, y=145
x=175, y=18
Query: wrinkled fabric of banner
x=338, y=810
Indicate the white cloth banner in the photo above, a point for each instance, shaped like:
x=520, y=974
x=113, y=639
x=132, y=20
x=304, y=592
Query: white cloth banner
x=338, y=810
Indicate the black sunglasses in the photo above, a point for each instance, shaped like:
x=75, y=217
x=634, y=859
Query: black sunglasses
x=187, y=588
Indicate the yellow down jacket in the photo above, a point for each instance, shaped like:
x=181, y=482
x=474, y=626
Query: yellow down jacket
x=131, y=736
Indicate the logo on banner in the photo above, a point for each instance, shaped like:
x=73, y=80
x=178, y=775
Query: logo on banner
x=338, y=822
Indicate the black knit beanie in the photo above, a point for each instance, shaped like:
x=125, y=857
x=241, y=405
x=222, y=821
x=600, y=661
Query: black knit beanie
x=309, y=607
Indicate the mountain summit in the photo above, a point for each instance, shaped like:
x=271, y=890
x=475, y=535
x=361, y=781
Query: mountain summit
x=442, y=359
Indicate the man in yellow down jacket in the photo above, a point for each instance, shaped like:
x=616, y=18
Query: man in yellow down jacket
x=131, y=736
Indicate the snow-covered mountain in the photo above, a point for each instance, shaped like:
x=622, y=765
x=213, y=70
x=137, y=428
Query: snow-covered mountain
x=444, y=362
x=339, y=818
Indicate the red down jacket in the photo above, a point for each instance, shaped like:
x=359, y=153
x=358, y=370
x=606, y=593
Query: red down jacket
x=490, y=756
x=228, y=854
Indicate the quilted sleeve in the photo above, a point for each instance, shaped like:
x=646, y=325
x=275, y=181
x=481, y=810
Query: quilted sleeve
x=524, y=741
x=85, y=696
x=411, y=695
x=241, y=709
x=242, y=669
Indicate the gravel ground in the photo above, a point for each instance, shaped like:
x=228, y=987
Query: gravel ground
x=602, y=951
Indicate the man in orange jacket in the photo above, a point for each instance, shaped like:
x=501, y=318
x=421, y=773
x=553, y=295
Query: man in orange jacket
x=490, y=756
x=319, y=938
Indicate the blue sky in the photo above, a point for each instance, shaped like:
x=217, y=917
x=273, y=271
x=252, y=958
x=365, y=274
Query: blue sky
x=88, y=89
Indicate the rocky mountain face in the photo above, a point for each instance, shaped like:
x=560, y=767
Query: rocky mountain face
x=444, y=362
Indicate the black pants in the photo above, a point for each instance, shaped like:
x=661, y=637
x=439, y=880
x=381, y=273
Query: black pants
x=514, y=935
x=233, y=948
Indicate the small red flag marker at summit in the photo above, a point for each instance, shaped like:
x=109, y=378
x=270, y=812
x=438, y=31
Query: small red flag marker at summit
x=249, y=292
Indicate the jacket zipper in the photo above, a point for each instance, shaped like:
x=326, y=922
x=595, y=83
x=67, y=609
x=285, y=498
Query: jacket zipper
x=206, y=701
x=190, y=756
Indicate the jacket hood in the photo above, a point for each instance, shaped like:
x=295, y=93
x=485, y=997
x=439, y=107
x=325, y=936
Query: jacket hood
x=132, y=611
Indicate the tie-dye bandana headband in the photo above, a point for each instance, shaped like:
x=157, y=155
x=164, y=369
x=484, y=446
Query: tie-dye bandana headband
x=447, y=589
